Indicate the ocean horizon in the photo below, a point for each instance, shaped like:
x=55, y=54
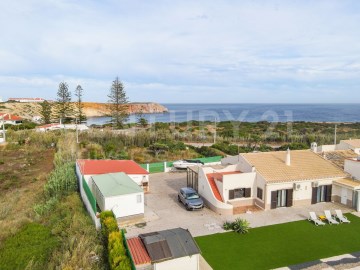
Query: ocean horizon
x=250, y=112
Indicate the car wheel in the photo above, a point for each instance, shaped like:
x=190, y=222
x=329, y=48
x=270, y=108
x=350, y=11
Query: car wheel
x=179, y=199
x=187, y=207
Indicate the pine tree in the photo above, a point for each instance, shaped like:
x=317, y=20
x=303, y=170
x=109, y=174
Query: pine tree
x=141, y=120
x=79, y=105
x=45, y=112
x=118, y=104
x=64, y=108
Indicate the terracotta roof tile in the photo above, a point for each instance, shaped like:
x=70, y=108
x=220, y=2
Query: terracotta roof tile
x=103, y=166
x=305, y=165
x=348, y=182
x=138, y=251
x=354, y=143
x=10, y=117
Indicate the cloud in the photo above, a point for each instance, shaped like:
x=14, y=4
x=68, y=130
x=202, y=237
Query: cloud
x=212, y=51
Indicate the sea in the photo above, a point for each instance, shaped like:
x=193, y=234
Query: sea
x=332, y=113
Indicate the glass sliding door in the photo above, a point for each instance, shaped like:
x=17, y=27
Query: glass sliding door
x=321, y=194
x=281, y=198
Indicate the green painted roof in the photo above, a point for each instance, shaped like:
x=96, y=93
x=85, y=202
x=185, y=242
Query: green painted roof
x=114, y=184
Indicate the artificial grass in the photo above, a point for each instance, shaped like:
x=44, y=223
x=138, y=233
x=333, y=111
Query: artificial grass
x=280, y=245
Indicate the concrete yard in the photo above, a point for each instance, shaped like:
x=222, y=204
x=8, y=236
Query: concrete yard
x=163, y=211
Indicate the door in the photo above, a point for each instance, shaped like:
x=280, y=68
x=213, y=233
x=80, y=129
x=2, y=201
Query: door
x=357, y=200
x=343, y=196
x=281, y=198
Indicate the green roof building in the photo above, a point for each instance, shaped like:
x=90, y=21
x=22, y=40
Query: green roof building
x=119, y=193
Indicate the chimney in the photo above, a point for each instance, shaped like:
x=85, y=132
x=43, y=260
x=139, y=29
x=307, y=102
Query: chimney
x=288, y=158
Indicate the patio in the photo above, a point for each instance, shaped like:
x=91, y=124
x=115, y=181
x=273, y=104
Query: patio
x=163, y=211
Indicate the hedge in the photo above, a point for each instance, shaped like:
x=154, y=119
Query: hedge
x=117, y=258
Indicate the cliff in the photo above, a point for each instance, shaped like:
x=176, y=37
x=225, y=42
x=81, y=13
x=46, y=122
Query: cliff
x=91, y=109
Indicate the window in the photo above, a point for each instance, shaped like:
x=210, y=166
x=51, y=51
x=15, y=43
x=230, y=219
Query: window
x=138, y=198
x=239, y=193
x=260, y=193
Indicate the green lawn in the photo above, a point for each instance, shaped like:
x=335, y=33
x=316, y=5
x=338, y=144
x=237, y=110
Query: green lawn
x=280, y=245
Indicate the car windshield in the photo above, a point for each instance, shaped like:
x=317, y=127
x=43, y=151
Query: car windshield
x=192, y=196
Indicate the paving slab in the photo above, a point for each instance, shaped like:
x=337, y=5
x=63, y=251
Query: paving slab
x=163, y=211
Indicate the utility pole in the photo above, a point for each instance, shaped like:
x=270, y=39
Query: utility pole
x=215, y=131
x=77, y=131
x=3, y=127
x=335, y=134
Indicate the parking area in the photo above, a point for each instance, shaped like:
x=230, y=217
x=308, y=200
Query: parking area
x=163, y=211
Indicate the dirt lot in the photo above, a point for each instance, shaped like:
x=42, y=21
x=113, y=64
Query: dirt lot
x=23, y=172
x=163, y=211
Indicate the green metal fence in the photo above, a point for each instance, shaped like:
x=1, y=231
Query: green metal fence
x=133, y=267
x=160, y=166
x=89, y=195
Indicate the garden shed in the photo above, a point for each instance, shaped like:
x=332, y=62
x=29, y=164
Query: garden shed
x=119, y=193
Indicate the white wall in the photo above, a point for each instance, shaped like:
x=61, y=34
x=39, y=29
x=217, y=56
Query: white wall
x=304, y=193
x=206, y=192
x=125, y=205
x=352, y=167
x=229, y=160
x=326, y=148
x=343, y=146
x=244, y=165
x=184, y=263
x=240, y=180
x=138, y=178
x=86, y=200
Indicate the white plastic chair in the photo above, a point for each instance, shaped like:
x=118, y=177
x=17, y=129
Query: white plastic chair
x=329, y=218
x=315, y=219
x=339, y=215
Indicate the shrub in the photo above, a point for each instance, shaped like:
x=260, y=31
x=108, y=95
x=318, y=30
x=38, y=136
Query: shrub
x=239, y=226
x=61, y=181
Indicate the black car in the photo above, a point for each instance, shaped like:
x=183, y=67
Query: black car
x=189, y=197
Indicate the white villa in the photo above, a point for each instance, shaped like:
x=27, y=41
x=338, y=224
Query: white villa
x=270, y=180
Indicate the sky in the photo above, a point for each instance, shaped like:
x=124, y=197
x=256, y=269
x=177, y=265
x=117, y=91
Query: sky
x=211, y=51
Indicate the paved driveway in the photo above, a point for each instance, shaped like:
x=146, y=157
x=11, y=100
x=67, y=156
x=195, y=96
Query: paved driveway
x=163, y=211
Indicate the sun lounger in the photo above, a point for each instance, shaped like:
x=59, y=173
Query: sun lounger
x=315, y=219
x=339, y=215
x=329, y=218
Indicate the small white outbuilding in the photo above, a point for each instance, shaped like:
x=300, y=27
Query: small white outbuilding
x=119, y=193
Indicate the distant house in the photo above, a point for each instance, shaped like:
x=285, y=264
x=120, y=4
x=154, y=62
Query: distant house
x=350, y=144
x=10, y=119
x=89, y=167
x=353, y=145
x=272, y=180
x=23, y=100
x=56, y=126
x=173, y=249
x=119, y=193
